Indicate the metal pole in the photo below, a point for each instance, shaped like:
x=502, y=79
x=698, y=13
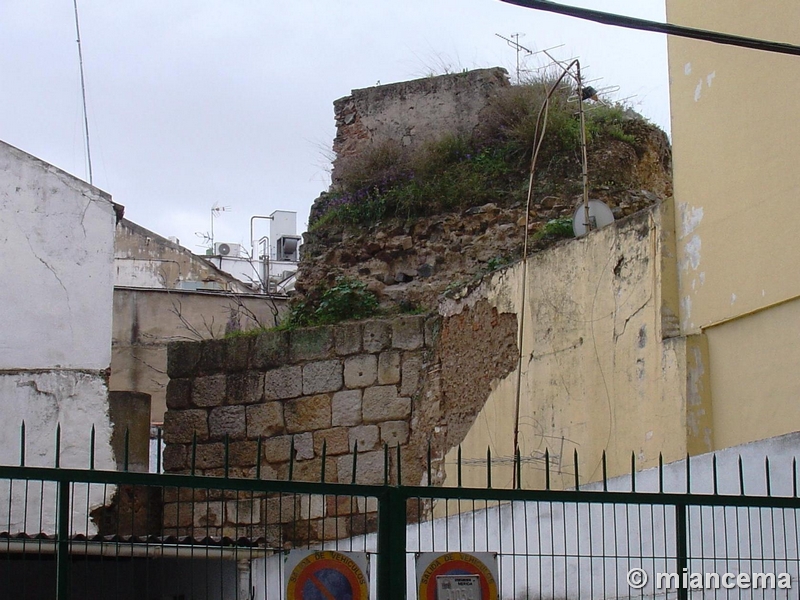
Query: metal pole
x=681, y=534
x=62, y=552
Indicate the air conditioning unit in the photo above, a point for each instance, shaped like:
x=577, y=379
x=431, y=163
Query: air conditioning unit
x=227, y=249
x=289, y=248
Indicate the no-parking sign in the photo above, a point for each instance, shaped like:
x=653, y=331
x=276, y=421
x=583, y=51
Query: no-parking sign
x=455, y=575
x=326, y=575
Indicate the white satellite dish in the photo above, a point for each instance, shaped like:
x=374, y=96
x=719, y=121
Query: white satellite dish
x=599, y=216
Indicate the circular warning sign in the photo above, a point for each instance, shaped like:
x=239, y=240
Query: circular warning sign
x=457, y=563
x=327, y=575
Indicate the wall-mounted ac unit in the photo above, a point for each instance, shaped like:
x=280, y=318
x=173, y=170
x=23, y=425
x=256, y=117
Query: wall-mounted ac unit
x=227, y=249
x=289, y=248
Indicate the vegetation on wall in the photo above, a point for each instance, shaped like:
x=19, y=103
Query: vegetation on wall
x=346, y=299
x=492, y=165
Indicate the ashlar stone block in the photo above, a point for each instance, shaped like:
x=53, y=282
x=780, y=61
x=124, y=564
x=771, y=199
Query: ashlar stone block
x=208, y=391
x=389, y=367
x=346, y=408
x=283, y=383
x=377, y=336
x=181, y=425
x=381, y=403
x=360, y=371
x=407, y=332
x=394, y=433
x=245, y=388
x=367, y=437
x=227, y=420
x=411, y=374
x=321, y=377
x=264, y=419
x=308, y=413
x=348, y=339
x=336, y=441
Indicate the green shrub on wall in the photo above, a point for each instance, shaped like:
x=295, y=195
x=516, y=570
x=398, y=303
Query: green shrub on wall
x=347, y=299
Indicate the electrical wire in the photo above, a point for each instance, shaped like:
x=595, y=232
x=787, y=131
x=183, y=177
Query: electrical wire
x=537, y=144
x=616, y=20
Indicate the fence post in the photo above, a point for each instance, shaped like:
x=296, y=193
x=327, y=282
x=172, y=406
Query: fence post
x=682, y=548
x=62, y=549
x=391, y=545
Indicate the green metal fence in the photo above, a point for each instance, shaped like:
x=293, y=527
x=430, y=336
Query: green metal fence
x=87, y=533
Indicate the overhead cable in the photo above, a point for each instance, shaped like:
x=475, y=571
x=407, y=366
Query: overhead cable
x=645, y=25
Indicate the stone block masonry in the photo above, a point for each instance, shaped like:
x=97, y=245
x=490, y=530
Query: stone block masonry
x=333, y=387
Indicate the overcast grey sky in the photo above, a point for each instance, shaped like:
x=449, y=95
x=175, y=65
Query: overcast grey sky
x=197, y=102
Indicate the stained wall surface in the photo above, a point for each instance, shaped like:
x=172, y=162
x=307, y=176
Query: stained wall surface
x=55, y=327
x=602, y=368
x=735, y=154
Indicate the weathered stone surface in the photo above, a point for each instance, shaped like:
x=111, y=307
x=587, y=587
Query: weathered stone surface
x=304, y=446
x=208, y=391
x=346, y=408
x=369, y=468
x=337, y=506
x=394, y=433
x=180, y=426
x=312, y=343
x=348, y=338
x=312, y=507
x=336, y=441
x=227, y=420
x=178, y=514
x=270, y=349
x=282, y=509
x=381, y=403
x=276, y=449
x=389, y=367
x=321, y=377
x=367, y=437
x=243, y=512
x=179, y=393
x=243, y=454
x=264, y=419
x=237, y=353
x=245, y=388
x=176, y=457
x=360, y=371
x=310, y=470
x=377, y=336
x=282, y=383
x=308, y=413
x=330, y=529
x=213, y=356
x=210, y=456
x=182, y=359
x=208, y=514
x=412, y=371
x=407, y=332
x=433, y=327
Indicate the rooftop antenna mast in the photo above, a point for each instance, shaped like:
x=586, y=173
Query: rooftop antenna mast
x=215, y=210
x=83, y=93
x=516, y=46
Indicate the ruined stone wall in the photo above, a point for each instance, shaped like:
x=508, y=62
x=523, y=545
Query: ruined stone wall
x=412, y=112
x=408, y=381
x=341, y=386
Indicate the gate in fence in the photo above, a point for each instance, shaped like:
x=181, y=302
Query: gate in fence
x=85, y=533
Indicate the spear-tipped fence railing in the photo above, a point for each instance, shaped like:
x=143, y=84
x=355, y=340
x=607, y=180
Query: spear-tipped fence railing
x=68, y=532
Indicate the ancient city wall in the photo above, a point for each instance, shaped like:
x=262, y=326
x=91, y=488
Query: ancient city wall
x=412, y=112
x=406, y=381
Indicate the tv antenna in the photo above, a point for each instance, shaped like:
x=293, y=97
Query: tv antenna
x=514, y=43
x=215, y=211
x=83, y=93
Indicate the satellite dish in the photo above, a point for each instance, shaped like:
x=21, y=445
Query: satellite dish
x=599, y=216
x=223, y=249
